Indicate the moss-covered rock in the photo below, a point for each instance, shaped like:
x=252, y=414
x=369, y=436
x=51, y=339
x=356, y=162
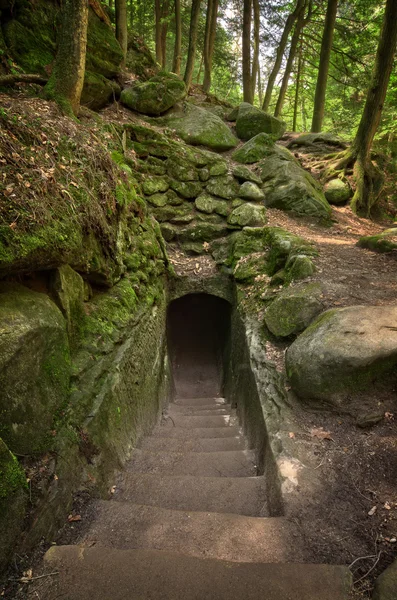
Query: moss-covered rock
x=34, y=368
x=225, y=187
x=195, y=232
x=153, y=185
x=249, y=267
x=252, y=120
x=208, y=204
x=289, y=187
x=248, y=215
x=299, y=267
x=342, y=354
x=155, y=96
x=386, y=584
x=181, y=170
x=337, y=191
x=175, y=214
x=293, y=310
x=139, y=58
x=245, y=174
x=284, y=247
x=381, y=242
x=255, y=149
x=219, y=168
x=69, y=291
x=197, y=126
x=186, y=189
x=250, y=191
x=13, y=499
x=98, y=91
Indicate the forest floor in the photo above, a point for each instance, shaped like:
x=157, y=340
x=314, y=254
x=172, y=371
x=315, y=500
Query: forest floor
x=354, y=520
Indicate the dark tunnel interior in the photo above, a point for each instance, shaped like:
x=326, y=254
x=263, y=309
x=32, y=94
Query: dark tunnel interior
x=198, y=328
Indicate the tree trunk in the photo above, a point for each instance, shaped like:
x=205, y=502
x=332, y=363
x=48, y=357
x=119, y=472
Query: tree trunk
x=209, y=41
x=157, y=13
x=246, y=43
x=255, y=58
x=191, y=55
x=260, y=90
x=368, y=179
x=163, y=34
x=176, y=64
x=121, y=27
x=291, y=57
x=67, y=79
x=325, y=53
x=297, y=88
x=280, y=53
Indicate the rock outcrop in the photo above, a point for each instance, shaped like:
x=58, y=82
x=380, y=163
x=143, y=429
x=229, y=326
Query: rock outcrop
x=251, y=120
x=341, y=354
x=155, y=96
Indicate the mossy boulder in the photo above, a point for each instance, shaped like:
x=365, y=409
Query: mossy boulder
x=34, y=368
x=153, y=185
x=248, y=215
x=386, y=584
x=299, y=267
x=195, y=232
x=69, y=291
x=342, y=354
x=98, y=91
x=284, y=247
x=139, y=58
x=186, y=189
x=337, y=191
x=255, y=149
x=249, y=267
x=381, y=242
x=174, y=214
x=225, y=187
x=154, y=96
x=252, y=120
x=250, y=191
x=178, y=169
x=293, y=310
x=199, y=127
x=289, y=187
x=208, y=204
x=245, y=174
x=13, y=500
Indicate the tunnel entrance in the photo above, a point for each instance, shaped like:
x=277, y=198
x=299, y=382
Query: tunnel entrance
x=198, y=329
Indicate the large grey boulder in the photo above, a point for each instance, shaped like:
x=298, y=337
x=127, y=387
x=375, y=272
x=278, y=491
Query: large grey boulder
x=341, y=354
x=34, y=368
x=337, y=191
x=155, y=96
x=252, y=120
x=258, y=147
x=199, y=127
x=289, y=187
x=386, y=584
x=293, y=309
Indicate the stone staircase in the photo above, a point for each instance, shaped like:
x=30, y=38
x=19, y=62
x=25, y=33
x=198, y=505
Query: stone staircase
x=189, y=521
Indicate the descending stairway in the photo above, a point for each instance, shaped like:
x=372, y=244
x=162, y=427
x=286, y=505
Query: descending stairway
x=189, y=521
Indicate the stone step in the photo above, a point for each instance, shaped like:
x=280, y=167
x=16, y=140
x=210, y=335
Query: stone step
x=194, y=422
x=199, y=401
x=168, y=429
x=158, y=444
x=237, y=495
x=125, y=525
x=232, y=463
x=108, y=573
x=204, y=410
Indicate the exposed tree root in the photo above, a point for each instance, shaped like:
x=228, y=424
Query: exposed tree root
x=22, y=78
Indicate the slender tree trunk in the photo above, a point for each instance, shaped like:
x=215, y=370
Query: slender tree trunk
x=260, y=90
x=246, y=45
x=200, y=68
x=297, y=88
x=131, y=14
x=288, y=67
x=164, y=30
x=369, y=180
x=176, y=64
x=209, y=41
x=67, y=78
x=325, y=53
x=121, y=27
x=191, y=55
x=157, y=13
x=280, y=53
x=255, y=58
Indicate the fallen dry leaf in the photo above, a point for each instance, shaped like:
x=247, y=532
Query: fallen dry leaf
x=372, y=511
x=319, y=433
x=291, y=435
x=74, y=518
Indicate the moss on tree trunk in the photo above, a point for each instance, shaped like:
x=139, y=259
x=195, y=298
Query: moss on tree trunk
x=67, y=79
